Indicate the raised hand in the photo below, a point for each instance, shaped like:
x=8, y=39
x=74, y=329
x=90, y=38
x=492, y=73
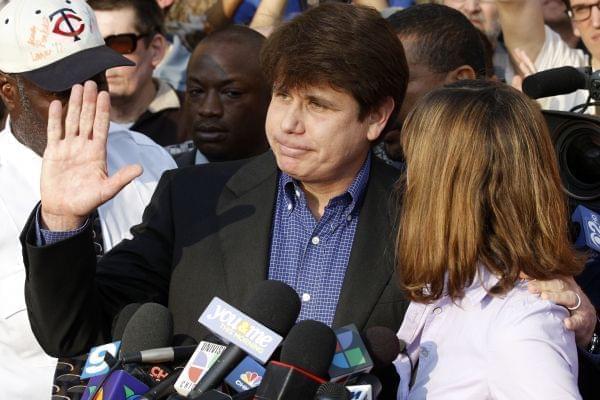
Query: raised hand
x=74, y=179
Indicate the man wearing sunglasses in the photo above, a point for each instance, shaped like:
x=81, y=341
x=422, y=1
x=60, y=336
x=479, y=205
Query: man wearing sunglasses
x=47, y=47
x=523, y=27
x=135, y=29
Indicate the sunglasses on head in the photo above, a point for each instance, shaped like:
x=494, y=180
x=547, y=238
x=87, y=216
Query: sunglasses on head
x=125, y=43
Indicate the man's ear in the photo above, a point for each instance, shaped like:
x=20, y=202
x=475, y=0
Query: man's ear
x=379, y=117
x=460, y=73
x=575, y=29
x=158, y=46
x=8, y=91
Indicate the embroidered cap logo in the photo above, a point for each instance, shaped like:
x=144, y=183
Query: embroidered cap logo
x=66, y=16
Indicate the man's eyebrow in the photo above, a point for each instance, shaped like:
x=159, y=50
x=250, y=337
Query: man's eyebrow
x=321, y=100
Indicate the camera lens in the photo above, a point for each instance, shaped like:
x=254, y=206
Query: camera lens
x=578, y=148
x=583, y=159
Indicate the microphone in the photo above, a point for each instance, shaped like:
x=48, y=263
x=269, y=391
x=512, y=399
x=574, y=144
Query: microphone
x=306, y=354
x=589, y=228
x=158, y=355
x=366, y=387
x=383, y=345
x=150, y=326
x=122, y=319
x=246, y=376
x=271, y=311
x=332, y=391
x=351, y=356
x=555, y=81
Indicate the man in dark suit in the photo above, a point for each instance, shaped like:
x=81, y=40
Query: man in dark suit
x=313, y=213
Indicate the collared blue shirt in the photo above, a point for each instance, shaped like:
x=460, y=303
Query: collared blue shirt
x=312, y=256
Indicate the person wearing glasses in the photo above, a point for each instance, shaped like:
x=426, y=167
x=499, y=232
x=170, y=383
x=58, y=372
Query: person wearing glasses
x=135, y=28
x=522, y=23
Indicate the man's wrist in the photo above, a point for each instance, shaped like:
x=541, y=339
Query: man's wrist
x=594, y=346
x=60, y=223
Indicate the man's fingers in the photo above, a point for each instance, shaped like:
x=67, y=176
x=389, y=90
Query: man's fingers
x=54, y=122
x=102, y=117
x=74, y=111
x=121, y=178
x=553, y=285
x=88, y=109
x=567, y=298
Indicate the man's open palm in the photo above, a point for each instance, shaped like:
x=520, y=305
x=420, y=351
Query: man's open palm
x=74, y=179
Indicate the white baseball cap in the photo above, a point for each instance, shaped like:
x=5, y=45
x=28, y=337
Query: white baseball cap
x=54, y=43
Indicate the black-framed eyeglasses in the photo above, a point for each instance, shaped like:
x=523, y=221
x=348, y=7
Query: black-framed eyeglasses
x=125, y=43
x=581, y=12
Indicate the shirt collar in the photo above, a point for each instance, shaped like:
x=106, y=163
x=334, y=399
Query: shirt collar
x=483, y=281
x=165, y=98
x=354, y=193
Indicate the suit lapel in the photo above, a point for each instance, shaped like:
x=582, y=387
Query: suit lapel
x=371, y=261
x=246, y=212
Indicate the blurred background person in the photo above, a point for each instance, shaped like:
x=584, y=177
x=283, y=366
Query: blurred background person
x=523, y=28
x=441, y=47
x=135, y=28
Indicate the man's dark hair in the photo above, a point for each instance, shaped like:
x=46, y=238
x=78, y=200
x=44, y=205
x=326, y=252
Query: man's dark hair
x=149, y=18
x=239, y=34
x=444, y=38
x=348, y=47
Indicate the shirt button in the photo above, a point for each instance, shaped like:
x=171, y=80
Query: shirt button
x=289, y=207
x=315, y=240
x=349, y=218
x=297, y=193
x=424, y=352
x=305, y=297
x=437, y=311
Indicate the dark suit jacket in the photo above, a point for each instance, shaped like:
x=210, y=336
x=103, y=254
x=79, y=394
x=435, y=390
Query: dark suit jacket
x=186, y=159
x=206, y=232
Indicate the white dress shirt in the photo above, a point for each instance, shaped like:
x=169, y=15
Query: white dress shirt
x=488, y=347
x=26, y=372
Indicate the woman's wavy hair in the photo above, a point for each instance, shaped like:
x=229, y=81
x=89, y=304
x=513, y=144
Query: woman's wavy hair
x=482, y=187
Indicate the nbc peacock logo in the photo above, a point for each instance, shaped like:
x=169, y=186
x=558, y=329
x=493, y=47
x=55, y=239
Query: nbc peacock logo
x=251, y=379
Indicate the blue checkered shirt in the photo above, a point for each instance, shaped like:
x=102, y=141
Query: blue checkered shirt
x=312, y=256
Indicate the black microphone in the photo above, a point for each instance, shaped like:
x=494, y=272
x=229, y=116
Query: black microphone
x=555, y=81
x=122, y=319
x=332, y=391
x=272, y=304
x=306, y=355
x=383, y=345
x=150, y=327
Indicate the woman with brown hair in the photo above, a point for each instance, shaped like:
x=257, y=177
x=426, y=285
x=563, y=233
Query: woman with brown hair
x=482, y=208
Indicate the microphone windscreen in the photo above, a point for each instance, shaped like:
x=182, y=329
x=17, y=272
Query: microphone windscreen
x=181, y=339
x=553, y=82
x=310, y=346
x=121, y=320
x=150, y=327
x=382, y=344
x=275, y=305
x=332, y=391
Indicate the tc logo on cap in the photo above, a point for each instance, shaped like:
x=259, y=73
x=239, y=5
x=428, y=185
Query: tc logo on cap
x=66, y=16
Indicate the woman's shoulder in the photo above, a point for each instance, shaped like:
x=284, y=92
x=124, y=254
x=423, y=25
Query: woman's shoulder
x=521, y=309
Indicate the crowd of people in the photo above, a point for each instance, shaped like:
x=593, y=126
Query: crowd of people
x=379, y=158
